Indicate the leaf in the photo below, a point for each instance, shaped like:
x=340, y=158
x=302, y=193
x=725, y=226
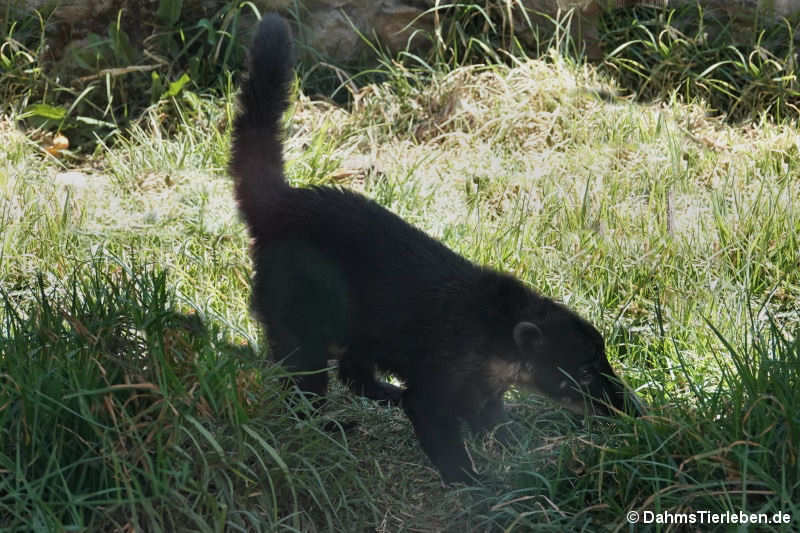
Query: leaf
x=156, y=86
x=123, y=51
x=45, y=111
x=95, y=122
x=176, y=86
x=210, y=31
x=169, y=11
x=207, y=434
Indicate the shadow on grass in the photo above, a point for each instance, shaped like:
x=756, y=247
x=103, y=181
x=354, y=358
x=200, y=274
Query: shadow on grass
x=118, y=410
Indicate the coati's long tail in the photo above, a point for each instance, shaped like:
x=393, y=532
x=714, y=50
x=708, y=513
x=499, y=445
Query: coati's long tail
x=256, y=153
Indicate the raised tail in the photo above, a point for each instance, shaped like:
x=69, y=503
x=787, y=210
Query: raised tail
x=256, y=153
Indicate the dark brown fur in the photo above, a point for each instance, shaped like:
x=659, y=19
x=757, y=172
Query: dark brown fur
x=338, y=275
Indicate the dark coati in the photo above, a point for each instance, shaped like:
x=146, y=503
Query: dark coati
x=338, y=276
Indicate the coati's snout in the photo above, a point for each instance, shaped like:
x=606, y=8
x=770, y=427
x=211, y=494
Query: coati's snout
x=563, y=357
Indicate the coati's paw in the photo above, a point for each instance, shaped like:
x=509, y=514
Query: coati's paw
x=464, y=476
x=388, y=393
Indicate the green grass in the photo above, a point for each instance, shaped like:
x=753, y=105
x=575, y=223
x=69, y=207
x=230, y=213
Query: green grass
x=92, y=92
x=63, y=77
x=134, y=390
x=742, y=67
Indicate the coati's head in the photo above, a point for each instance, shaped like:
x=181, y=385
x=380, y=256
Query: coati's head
x=555, y=352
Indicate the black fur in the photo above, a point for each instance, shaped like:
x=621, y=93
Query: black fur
x=256, y=154
x=338, y=276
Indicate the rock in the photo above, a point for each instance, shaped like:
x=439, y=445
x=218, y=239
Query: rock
x=332, y=27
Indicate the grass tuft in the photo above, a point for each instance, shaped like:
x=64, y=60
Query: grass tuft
x=119, y=411
x=740, y=70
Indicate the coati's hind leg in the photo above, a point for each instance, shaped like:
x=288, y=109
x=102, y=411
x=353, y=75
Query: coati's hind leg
x=301, y=296
x=359, y=376
x=307, y=360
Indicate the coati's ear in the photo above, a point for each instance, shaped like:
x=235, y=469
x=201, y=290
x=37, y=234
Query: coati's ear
x=527, y=335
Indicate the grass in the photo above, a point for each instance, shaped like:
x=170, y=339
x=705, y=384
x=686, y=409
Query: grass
x=135, y=394
x=89, y=93
x=741, y=66
x=61, y=76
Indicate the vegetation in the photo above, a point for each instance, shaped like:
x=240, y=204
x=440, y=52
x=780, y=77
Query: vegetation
x=93, y=90
x=141, y=58
x=741, y=70
x=136, y=395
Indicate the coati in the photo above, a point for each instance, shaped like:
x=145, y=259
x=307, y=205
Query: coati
x=339, y=276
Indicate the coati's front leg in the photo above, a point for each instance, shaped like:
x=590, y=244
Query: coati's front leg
x=437, y=426
x=491, y=415
x=359, y=376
